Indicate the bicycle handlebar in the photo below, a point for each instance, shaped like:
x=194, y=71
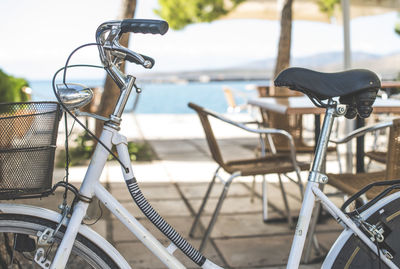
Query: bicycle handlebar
x=109, y=33
x=144, y=26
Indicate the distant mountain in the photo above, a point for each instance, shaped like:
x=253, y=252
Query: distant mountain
x=316, y=60
x=387, y=67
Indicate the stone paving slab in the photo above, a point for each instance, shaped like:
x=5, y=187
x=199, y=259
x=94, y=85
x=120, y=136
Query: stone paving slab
x=152, y=191
x=140, y=257
x=231, y=205
x=197, y=190
x=180, y=224
x=170, y=208
x=271, y=250
x=172, y=149
x=239, y=225
x=236, y=204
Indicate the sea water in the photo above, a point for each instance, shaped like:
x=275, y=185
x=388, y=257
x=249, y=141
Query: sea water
x=169, y=98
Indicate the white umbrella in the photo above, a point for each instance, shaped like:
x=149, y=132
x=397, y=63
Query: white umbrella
x=310, y=11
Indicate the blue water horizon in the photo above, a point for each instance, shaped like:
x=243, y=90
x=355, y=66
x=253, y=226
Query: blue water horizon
x=167, y=98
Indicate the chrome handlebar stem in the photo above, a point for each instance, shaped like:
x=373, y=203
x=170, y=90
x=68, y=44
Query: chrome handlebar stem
x=111, y=55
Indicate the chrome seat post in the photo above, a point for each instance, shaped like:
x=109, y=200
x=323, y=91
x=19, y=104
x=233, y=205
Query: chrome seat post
x=315, y=178
x=317, y=168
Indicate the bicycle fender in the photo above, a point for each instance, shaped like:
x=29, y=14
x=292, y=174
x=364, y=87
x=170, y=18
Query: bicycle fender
x=84, y=230
x=345, y=235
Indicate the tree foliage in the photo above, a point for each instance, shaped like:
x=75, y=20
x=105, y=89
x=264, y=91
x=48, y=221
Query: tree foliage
x=328, y=6
x=180, y=13
x=11, y=88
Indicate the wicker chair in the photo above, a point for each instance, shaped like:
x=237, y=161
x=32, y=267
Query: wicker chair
x=291, y=123
x=277, y=163
x=351, y=183
x=376, y=154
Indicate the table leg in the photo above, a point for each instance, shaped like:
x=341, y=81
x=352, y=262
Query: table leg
x=360, y=147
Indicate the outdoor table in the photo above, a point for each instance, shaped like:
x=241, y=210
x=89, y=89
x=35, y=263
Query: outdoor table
x=303, y=105
x=390, y=84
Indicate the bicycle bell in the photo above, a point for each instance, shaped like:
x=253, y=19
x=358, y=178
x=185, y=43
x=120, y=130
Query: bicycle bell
x=74, y=95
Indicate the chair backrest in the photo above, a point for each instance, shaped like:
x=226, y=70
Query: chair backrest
x=230, y=99
x=233, y=107
x=211, y=141
x=393, y=153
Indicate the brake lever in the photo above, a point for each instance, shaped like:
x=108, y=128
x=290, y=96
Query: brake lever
x=110, y=45
x=131, y=56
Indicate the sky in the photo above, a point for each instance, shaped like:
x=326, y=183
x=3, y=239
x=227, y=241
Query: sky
x=39, y=35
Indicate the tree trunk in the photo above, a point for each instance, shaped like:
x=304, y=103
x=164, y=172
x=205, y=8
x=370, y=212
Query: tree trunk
x=283, y=58
x=292, y=123
x=111, y=90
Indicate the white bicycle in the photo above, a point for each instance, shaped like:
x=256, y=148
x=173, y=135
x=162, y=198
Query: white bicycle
x=33, y=237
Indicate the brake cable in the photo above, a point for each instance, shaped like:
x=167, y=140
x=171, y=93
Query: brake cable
x=66, y=110
x=76, y=118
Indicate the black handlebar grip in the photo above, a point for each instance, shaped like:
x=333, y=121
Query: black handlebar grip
x=144, y=26
x=133, y=59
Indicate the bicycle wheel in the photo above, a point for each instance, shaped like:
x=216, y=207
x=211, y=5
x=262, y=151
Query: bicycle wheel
x=353, y=253
x=19, y=244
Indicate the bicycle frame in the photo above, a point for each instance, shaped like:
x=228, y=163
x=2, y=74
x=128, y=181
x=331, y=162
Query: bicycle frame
x=313, y=193
x=91, y=187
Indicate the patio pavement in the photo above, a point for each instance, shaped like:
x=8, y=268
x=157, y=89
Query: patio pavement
x=175, y=184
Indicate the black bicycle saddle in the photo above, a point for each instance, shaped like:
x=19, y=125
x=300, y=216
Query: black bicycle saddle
x=327, y=85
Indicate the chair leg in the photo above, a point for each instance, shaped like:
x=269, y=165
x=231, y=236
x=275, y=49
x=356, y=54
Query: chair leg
x=253, y=190
x=286, y=203
x=217, y=210
x=264, y=199
x=368, y=165
x=203, y=203
x=301, y=186
x=338, y=159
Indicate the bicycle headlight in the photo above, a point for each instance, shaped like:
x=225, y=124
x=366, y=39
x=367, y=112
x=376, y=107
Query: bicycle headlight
x=74, y=95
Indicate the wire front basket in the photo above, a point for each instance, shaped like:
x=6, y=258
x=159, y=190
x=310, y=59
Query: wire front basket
x=28, y=134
